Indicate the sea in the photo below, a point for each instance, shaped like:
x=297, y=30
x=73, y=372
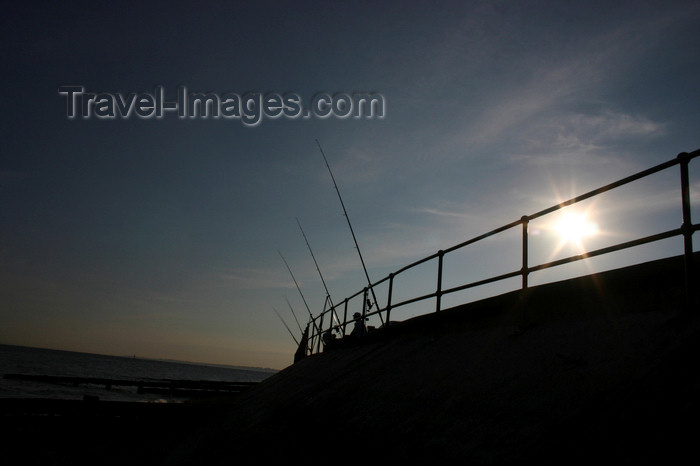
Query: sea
x=37, y=361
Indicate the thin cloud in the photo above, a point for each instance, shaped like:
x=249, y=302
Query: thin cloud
x=447, y=213
x=543, y=105
x=251, y=278
x=579, y=138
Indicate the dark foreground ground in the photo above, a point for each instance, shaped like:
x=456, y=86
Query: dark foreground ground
x=596, y=369
x=75, y=432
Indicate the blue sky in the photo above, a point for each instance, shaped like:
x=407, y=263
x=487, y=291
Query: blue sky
x=160, y=237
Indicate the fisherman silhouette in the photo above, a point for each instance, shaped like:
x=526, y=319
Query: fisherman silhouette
x=328, y=339
x=301, y=350
x=359, y=330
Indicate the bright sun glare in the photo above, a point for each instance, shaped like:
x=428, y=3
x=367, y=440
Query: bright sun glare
x=574, y=227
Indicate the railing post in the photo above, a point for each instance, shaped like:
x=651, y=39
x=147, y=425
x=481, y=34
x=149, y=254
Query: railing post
x=525, y=271
x=388, y=300
x=320, y=335
x=311, y=340
x=345, y=317
x=364, y=303
x=687, y=229
x=438, y=292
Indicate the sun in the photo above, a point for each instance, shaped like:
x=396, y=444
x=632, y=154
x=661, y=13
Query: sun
x=574, y=227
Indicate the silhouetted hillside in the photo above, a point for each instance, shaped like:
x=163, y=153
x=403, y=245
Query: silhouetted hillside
x=596, y=368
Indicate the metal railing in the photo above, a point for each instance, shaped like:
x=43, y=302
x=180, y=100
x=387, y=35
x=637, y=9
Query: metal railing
x=686, y=230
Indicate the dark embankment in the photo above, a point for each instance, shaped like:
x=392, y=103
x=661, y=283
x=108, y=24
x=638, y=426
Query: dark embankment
x=596, y=368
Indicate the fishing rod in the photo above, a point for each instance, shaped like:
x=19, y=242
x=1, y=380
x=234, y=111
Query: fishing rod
x=328, y=294
x=300, y=293
x=294, y=314
x=287, y=326
x=357, y=246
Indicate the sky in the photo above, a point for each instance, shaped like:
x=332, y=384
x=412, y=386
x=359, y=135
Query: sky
x=161, y=236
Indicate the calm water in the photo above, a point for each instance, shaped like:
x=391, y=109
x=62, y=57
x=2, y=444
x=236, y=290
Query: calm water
x=35, y=361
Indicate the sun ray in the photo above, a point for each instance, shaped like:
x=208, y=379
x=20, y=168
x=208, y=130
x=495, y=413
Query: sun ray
x=572, y=227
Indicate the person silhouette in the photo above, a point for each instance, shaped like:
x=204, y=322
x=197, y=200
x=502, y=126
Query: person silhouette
x=359, y=330
x=329, y=339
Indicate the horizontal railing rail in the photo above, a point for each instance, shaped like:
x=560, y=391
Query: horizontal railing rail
x=686, y=231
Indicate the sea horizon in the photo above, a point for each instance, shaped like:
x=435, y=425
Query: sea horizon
x=146, y=358
x=34, y=361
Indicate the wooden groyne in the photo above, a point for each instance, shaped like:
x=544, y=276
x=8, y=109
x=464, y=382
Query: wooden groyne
x=179, y=388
